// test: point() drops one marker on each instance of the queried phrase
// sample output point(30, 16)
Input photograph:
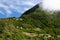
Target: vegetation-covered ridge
point(32, 25)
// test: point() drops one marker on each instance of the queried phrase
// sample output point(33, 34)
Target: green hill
point(34, 24)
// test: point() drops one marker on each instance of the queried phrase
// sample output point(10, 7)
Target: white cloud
point(5, 8)
point(27, 3)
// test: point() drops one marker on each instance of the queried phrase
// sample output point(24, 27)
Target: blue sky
point(15, 8)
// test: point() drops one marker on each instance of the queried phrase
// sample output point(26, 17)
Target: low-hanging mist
point(50, 5)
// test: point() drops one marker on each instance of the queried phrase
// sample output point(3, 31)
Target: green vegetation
point(34, 25)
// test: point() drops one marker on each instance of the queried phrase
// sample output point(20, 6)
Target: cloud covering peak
point(51, 5)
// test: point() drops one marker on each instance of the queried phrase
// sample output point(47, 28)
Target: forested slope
point(34, 24)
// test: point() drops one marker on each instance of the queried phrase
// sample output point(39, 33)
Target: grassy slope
point(36, 25)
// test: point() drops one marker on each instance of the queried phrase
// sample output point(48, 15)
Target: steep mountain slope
point(34, 24)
